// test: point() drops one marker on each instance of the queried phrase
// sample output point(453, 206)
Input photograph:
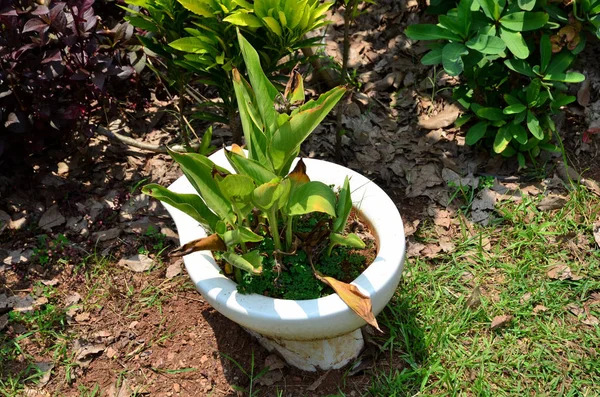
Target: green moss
point(298, 281)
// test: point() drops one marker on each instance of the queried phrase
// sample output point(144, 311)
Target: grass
point(443, 347)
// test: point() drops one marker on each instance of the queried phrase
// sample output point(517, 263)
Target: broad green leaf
point(533, 125)
point(199, 174)
point(312, 197)
point(350, 241)
point(520, 66)
point(465, 16)
point(237, 188)
point(190, 204)
point(193, 45)
point(503, 138)
point(521, 160)
point(253, 169)
point(492, 8)
point(545, 52)
point(264, 91)
point(487, 44)
point(243, 19)
point(462, 120)
point(343, 207)
point(571, 77)
point(561, 62)
point(514, 109)
point(244, 4)
point(142, 23)
point(273, 194)
point(433, 57)
point(511, 100)
point(351, 295)
point(287, 139)
point(515, 43)
point(490, 113)
point(198, 7)
point(232, 238)
point(518, 133)
point(562, 100)
point(476, 132)
point(526, 5)
point(533, 92)
point(430, 32)
point(240, 262)
point(273, 25)
point(452, 24)
point(522, 21)
point(452, 58)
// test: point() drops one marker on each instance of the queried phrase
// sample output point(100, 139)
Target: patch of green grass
point(438, 345)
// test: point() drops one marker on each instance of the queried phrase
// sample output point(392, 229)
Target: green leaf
point(452, 24)
point(511, 100)
point(487, 44)
point(521, 160)
point(562, 100)
point(465, 16)
point(243, 19)
point(533, 92)
point(433, 57)
point(198, 7)
point(430, 32)
point(462, 120)
point(522, 21)
point(526, 5)
point(190, 204)
point(560, 63)
point(193, 45)
point(571, 77)
point(264, 91)
point(287, 139)
point(198, 171)
point(142, 23)
point(518, 133)
point(545, 52)
point(490, 113)
point(237, 188)
point(241, 262)
point(273, 194)
point(312, 197)
point(515, 43)
point(520, 66)
point(240, 235)
point(452, 58)
point(350, 241)
point(253, 169)
point(503, 138)
point(514, 109)
point(273, 25)
point(343, 207)
point(533, 125)
point(476, 132)
point(492, 8)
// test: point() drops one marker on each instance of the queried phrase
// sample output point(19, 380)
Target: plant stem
point(274, 228)
point(288, 233)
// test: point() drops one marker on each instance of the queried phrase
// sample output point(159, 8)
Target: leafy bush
point(199, 37)
point(513, 57)
point(56, 60)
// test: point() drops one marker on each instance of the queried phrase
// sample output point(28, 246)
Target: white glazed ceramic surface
point(303, 319)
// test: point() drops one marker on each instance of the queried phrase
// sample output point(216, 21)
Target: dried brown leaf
point(475, 299)
point(583, 94)
point(539, 308)
point(210, 243)
point(351, 295)
point(596, 231)
point(562, 272)
point(501, 321)
point(443, 119)
point(552, 202)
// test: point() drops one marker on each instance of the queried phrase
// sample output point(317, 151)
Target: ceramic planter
point(311, 334)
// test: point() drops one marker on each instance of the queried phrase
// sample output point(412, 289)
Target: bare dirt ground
point(133, 324)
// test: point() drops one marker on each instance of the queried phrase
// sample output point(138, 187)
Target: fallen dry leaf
point(274, 362)
point(351, 295)
point(211, 243)
point(414, 249)
point(86, 353)
point(596, 231)
point(501, 321)
point(270, 378)
point(562, 272)
point(138, 263)
point(315, 385)
point(443, 119)
point(552, 202)
point(539, 308)
point(431, 250)
point(446, 244)
point(583, 94)
point(526, 297)
point(475, 299)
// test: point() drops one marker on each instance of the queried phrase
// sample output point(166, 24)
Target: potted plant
point(235, 200)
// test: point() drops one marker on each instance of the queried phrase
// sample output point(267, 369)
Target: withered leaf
point(210, 243)
point(596, 231)
point(298, 175)
point(351, 295)
point(562, 272)
point(441, 120)
point(501, 321)
point(475, 299)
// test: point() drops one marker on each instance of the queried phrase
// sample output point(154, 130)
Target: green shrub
point(513, 57)
point(198, 39)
